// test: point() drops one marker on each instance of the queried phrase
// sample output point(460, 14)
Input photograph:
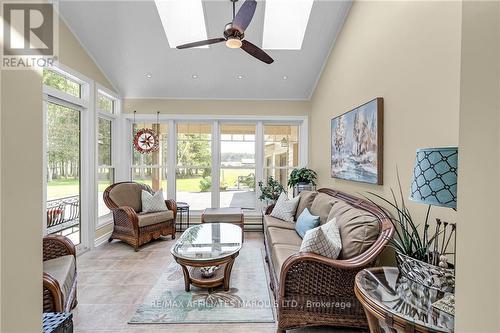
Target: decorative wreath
point(146, 141)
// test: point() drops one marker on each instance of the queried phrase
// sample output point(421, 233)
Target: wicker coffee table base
point(193, 276)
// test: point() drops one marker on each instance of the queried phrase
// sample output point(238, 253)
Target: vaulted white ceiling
point(127, 40)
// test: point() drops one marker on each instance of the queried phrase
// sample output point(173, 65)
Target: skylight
point(183, 21)
point(285, 24)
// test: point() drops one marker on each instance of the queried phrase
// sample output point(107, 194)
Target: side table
point(393, 303)
point(57, 322)
point(182, 209)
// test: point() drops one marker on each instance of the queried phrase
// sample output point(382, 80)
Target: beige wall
point(21, 193)
point(217, 107)
point(478, 292)
point(409, 54)
point(73, 55)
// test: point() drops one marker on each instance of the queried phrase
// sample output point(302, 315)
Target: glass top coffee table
point(206, 253)
point(393, 303)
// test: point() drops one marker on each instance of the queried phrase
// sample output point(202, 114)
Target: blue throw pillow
point(305, 222)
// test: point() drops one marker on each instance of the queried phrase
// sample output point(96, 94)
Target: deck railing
point(63, 213)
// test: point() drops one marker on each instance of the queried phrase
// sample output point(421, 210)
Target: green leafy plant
point(302, 175)
point(205, 184)
point(407, 240)
point(271, 190)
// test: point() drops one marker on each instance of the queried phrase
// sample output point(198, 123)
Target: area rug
point(247, 301)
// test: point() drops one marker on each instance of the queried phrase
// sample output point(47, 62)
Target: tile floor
point(113, 280)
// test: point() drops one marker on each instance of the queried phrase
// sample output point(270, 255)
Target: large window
point(151, 169)
point(106, 108)
point(237, 165)
point(194, 164)
point(217, 163)
point(281, 151)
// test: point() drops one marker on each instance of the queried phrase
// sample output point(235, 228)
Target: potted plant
point(302, 179)
point(418, 255)
point(271, 191)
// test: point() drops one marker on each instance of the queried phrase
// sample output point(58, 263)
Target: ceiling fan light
point(233, 43)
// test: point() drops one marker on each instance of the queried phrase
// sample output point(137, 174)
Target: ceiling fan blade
point(201, 43)
point(256, 52)
point(245, 15)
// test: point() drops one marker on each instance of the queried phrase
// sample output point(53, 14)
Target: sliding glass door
point(63, 170)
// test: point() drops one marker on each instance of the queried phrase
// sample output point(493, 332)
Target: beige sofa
point(314, 290)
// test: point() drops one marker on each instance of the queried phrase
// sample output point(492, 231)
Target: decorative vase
point(303, 186)
point(432, 276)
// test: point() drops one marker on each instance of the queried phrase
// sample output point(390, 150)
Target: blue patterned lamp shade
point(435, 177)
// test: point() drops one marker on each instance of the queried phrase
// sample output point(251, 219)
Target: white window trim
point(216, 120)
point(87, 127)
point(101, 221)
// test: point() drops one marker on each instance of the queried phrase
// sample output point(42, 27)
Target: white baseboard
point(103, 239)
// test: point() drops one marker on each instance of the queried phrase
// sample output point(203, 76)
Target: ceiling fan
point(234, 33)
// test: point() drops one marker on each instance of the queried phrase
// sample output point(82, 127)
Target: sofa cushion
point(62, 269)
point(283, 236)
point(127, 194)
point(146, 219)
point(323, 240)
point(306, 200)
point(285, 208)
point(359, 229)
point(321, 206)
point(270, 221)
point(306, 222)
point(280, 254)
point(153, 202)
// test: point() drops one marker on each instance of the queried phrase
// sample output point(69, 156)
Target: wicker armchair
point(59, 275)
point(310, 289)
point(130, 224)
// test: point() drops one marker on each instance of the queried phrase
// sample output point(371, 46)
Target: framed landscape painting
point(357, 143)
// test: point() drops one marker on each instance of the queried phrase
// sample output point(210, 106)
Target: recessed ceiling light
point(284, 77)
point(194, 76)
point(182, 20)
point(239, 77)
point(149, 75)
point(285, 15)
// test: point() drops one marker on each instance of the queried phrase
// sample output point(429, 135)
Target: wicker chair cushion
point(146, 219)
point(280, 253)
point(359, 229)
point(306, 200)
point(321, 206)
point(127, 194)
point(270, 221)
point(62, 269)
point(283, 236)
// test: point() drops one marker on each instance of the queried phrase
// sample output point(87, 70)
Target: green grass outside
point(61, 188)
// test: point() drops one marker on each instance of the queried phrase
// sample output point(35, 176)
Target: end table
point(393, 303)
point(182, 209)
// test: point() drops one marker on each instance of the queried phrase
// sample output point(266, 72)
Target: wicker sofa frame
point(308, 278)
point(55, 246)
point(126, 222)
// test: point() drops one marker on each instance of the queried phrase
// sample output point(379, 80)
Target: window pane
point(156, 178)
point(280, 175)
point(62, 83)
point(237, 188)
point(237, 145)
point(194, 145)
point(63, 171)
point(104, 142)
point(105, 177)
point(281, 145)
point(105, 103)
point(158, 157)
point(194, 186)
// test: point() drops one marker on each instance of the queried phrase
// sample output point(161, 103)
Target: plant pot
point(431, 276)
